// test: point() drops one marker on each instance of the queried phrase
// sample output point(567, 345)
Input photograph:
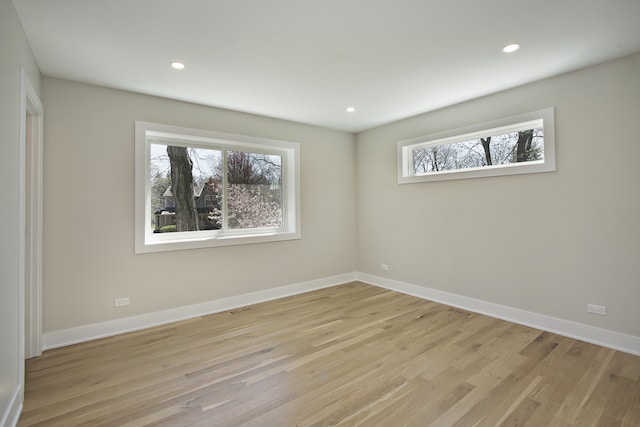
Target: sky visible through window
point(206, 162)
point(490, 151)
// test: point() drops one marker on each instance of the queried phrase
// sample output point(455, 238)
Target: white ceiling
point(308, 60)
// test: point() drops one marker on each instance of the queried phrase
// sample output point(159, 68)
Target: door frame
point(30, 216)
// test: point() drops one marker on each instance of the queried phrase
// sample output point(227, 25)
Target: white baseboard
point(591, 334)
point(12, 412)
point(118, 326)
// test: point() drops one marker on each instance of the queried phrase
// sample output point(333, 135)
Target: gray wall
point(89, 202)
point(548, 243)
point(15, 53)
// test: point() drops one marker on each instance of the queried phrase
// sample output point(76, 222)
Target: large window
point(197, 188)
point(515, 145)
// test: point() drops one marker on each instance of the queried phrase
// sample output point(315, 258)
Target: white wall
point(548, 243)
point(15, 53)
point(89, 211)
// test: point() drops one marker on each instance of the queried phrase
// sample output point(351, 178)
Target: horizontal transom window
point(197, 188)
point(515, 145)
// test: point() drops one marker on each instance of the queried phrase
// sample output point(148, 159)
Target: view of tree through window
point(254, 196)
point(520, 144)
point(189, 185)
point(199, 188)
point(514, 147)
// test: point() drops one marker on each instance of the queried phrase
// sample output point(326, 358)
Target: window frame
point(492, 128)
point(147, 133)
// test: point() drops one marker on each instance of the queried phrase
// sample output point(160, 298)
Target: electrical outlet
point(119, 302)
point(597, 309)
point(384, 267)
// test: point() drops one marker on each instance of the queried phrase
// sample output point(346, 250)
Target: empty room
point(290, 213)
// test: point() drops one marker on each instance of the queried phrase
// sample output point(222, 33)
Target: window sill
point(217, 241)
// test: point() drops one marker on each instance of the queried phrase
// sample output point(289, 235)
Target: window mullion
point(225, 198)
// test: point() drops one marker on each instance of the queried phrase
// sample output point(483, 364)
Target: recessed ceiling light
point(351, 109)
point(511, 48)
point(177, 65)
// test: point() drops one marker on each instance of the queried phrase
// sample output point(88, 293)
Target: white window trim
point(509, 124)
point(146, 241)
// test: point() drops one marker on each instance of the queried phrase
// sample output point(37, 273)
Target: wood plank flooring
point(351, 355)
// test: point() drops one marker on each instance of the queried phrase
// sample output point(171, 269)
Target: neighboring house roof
point(197, 191)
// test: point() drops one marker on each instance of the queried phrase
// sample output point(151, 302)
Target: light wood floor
point(349, 355)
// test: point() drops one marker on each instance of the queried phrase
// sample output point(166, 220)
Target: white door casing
point(31, 198)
